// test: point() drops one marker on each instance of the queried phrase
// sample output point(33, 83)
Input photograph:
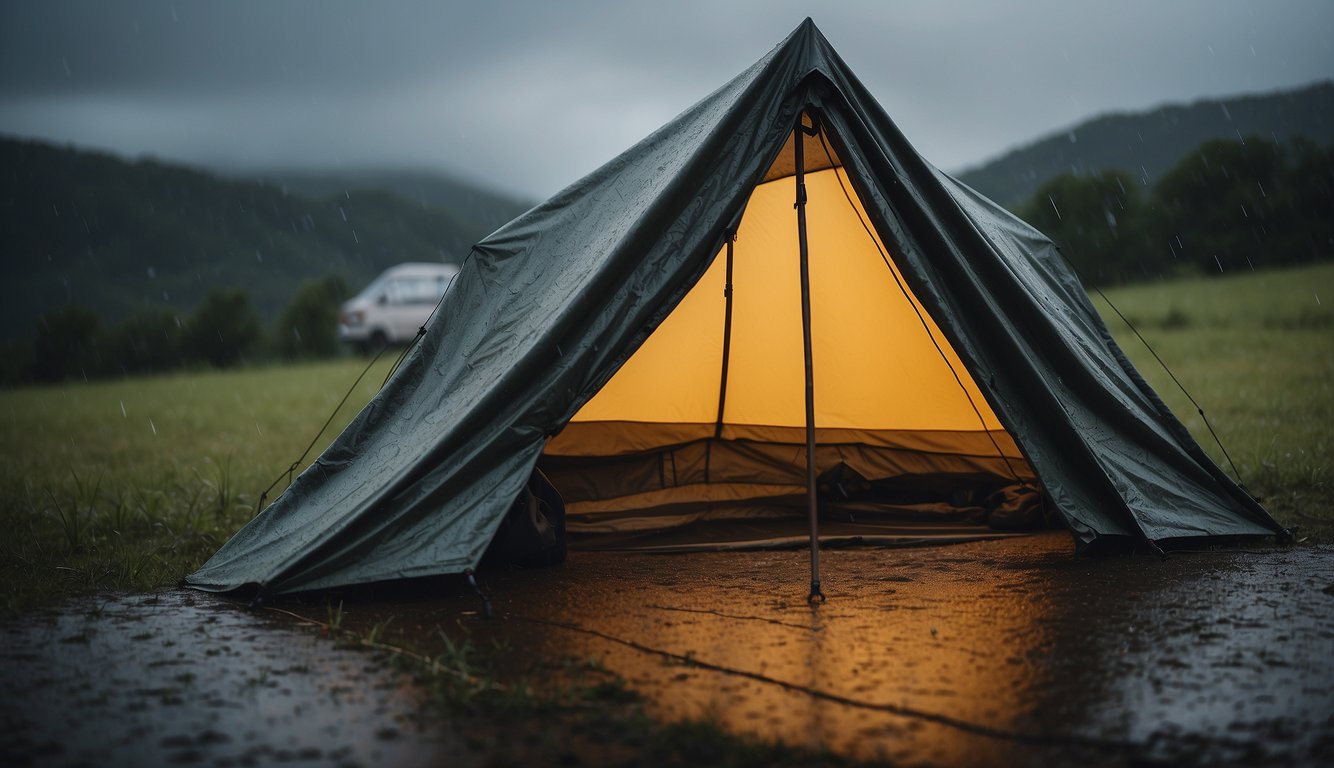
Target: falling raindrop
point(1317, 298)
point(259, 257)
point(126, 415)
point(354, 237)
point(1054, 208)
point(152, 426)
point(1244, 214)
point(342, 213)
point(1219, 263)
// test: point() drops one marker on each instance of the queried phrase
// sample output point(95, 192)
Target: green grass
point(131, 485)
point(1256, 351)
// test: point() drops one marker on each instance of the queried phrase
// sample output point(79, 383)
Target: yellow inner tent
point(892, 399)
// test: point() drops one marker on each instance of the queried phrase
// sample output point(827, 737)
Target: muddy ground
point(1009, 652)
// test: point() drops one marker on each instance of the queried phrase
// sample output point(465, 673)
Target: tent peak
point(805, 29)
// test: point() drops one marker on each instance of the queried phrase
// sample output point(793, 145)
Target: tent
point(652, 332)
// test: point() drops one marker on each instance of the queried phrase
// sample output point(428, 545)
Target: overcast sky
point(529, 96)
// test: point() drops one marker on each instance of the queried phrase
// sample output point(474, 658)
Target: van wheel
point(377, 342)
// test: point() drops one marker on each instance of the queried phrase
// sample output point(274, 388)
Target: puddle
point(999, 652)
point(187, 679)
point(1004, 651)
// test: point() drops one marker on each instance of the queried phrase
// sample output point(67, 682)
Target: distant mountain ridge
point(1147, 144)
point(459, 196)
point(121, 237)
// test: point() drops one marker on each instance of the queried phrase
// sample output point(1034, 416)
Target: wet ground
point(186, 679)
point(1000, 652)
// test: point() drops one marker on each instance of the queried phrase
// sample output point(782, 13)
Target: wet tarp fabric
point(547, 308)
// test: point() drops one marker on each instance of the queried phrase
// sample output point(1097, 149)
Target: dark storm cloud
point(530, 95)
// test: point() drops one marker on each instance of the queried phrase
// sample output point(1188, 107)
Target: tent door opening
point(799, 391)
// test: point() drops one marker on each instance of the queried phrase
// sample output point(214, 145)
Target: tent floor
point(786, 533)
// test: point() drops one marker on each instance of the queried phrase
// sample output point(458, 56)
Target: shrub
point(222, 330)
point(308, 327)
point(147, 342)
point(66, 344)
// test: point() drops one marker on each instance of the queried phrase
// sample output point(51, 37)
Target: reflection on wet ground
point(1003, 651)
point(999, 652)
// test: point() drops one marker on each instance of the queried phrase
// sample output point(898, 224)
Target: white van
point(394, 305)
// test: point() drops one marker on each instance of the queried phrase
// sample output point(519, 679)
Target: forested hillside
point(1145, 145)
point(121, 238)
point(1227, 206)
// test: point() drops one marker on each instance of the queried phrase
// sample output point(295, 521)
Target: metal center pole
point(798, 140)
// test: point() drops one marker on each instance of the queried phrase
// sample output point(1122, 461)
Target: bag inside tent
point(698, 440)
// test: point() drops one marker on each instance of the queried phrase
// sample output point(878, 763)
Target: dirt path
point(999, 652)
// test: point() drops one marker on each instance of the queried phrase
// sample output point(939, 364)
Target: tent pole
point(727, 338)
point(812, 506)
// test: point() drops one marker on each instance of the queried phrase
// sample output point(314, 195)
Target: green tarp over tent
point(548, 309)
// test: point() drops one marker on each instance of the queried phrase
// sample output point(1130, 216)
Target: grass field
point(131, 484)
point(1256, 351)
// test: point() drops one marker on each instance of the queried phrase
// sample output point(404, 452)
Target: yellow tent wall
point(892, 398)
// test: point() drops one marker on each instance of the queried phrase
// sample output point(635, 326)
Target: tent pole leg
point(816, 596)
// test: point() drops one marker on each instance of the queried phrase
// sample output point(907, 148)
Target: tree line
point(1229, 205)
point(223, 331)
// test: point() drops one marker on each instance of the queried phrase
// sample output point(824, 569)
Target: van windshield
point(407, 287)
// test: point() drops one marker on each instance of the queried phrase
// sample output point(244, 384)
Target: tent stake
point(812, 505)
point(486, 601)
